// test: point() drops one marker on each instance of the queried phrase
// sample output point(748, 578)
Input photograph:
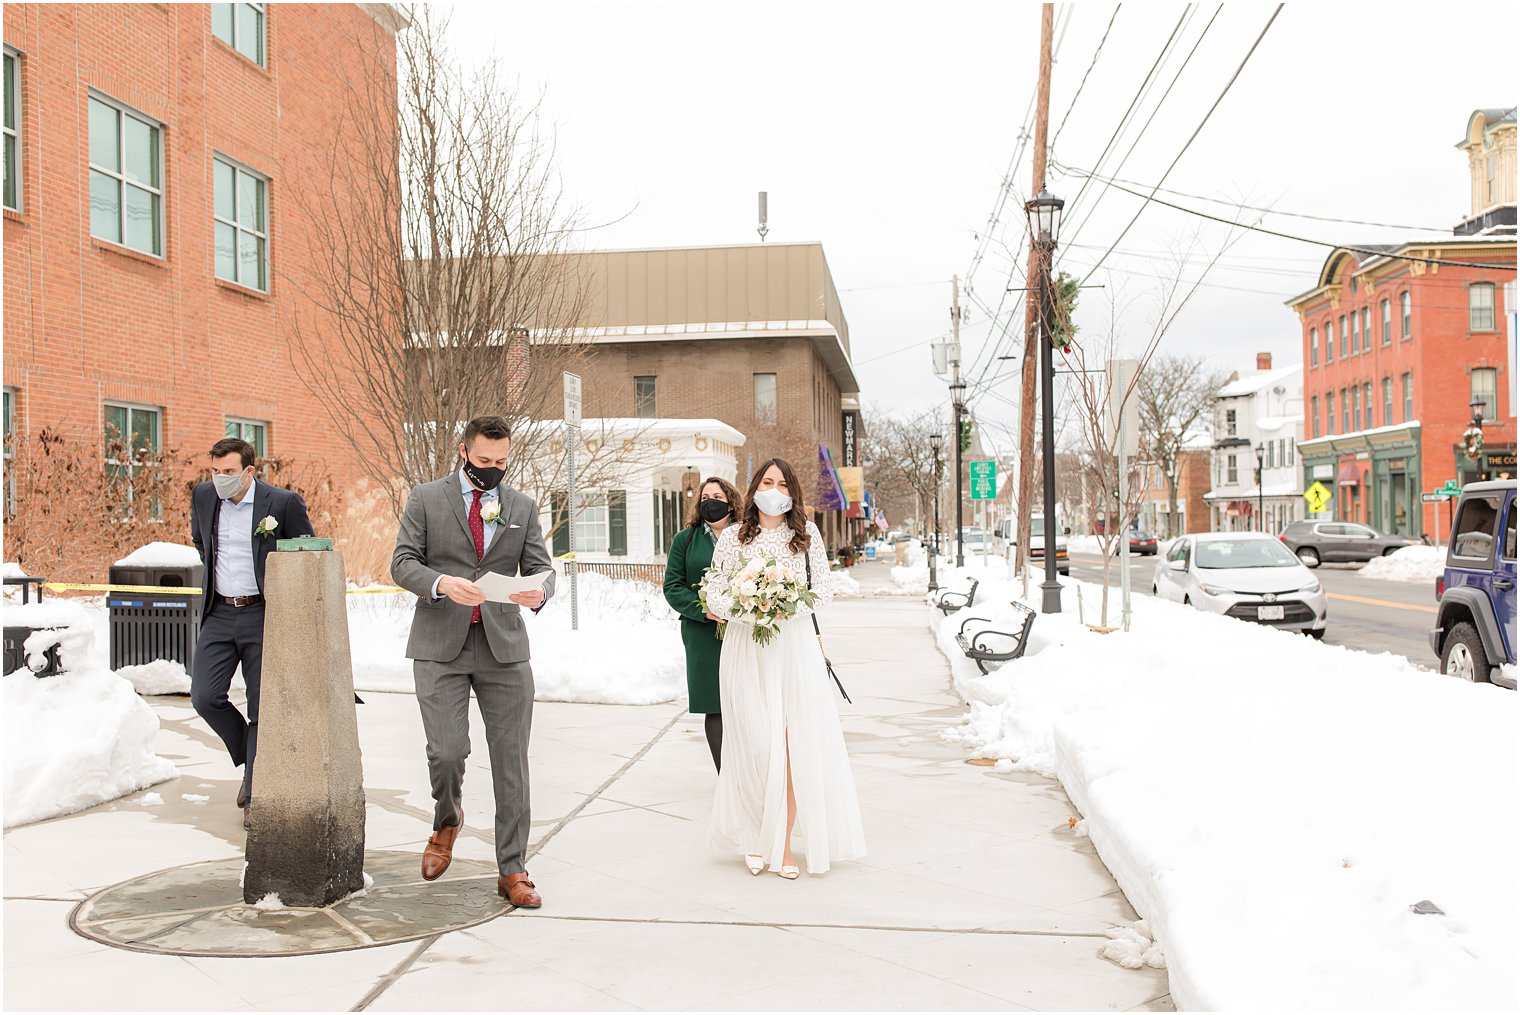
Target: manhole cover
point(199, 910)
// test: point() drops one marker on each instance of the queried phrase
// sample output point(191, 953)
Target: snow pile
point(628, 650)
point(845, 584)
point(161, 555)
point(1085, 544)
point(1133, 947)
point(150, 800)
point(1408, 564)
point(1257, 793)
point(912, 578)
point(78, 738)
point(161, 676)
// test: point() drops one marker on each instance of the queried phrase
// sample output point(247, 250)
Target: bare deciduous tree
point(902, 461)
point(1172, 401)
point(444, 287)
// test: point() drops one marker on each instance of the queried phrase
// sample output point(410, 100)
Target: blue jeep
point(1475, 621)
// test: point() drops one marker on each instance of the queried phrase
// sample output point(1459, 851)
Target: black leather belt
point(241, 600)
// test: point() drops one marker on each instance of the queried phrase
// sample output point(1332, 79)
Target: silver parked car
point(1247, 575)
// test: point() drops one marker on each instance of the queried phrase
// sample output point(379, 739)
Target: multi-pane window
point(1329, 412)
point(765, 400)
point(1289, 442)
point(242, 225)
point(1367, 403)
point(131, 443)
point(591, 522)
point(1387, 309)
point(643, 397)
point(1231, 469)
point(126, 177)
point(1387, 401)
point(1354, 345)
point(1314, 416)
point(10, 450)
point(1366, 329)
point(1356, 408)
point(1344, 335)
point(12, 130)
point(240, 26)
point(1313, 348)
point(1229, 422)
point(1407, 324)
point(1345, 412)
point(1485, 389)
point(1480, 306)
point(1329, 342)
point(1408, 380)
point(252, 431)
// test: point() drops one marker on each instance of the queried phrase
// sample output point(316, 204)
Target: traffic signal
point(965, 435)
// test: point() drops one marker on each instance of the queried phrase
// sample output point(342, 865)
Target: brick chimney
point(1264, 361)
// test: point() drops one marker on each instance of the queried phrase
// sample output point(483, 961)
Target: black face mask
point(714, 510)
point(485, 479)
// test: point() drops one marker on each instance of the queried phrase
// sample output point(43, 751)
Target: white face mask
point(773, 502)
point(228, 487)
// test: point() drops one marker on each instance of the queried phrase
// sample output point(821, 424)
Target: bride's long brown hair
point(796, 518)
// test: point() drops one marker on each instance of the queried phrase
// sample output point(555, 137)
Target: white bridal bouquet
point(763, 594)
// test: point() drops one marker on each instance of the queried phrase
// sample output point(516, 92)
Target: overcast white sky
point(884, 131)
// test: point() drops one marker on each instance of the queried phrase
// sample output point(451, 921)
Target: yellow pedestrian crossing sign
point(1318, 496)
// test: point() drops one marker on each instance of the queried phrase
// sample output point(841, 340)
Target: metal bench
point(949, 602)
point(981, 653)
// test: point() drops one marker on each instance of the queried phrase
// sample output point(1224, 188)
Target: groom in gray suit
point(454, 530)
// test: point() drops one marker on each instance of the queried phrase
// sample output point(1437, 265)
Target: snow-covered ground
point(80, 737)
point(1408, 564)
point(1271, 805)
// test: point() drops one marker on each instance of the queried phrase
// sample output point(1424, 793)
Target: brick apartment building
point(751, 335)
point(1192, 486)
point(154, 250)
point(1400, 339)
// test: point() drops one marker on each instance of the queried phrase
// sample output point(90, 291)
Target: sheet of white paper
point(498, 587)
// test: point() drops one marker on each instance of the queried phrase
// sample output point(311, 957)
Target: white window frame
point(1367, 329)
point(263, 58)
point(1473, 322)
point(1313, 347)
point(1387, 401)
point(13, 110)
point(240, 422)
point(1490, 396)
point(1231, 470)
point(1406, 314)
point(654, 395)
point(1406, 382)
point(593, 522)
point(238, 229)
point(131, 464)
point(773, 415)
point(120, 175)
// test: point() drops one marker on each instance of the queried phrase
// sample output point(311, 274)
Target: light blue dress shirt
point(467, 489)
point(235, 575)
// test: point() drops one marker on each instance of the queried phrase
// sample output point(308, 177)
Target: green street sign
point(983, 480)
point(1451, 489)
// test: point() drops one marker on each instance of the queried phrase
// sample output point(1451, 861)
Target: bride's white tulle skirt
point(773, 696)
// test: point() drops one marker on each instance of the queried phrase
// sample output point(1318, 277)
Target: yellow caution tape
point(566, 556)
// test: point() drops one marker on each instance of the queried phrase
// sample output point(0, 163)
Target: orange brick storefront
point(96, 317)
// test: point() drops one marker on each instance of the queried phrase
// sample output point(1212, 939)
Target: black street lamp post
point(1261, 518)
point(934, 443)
point(1044, 213)
point(958, 396)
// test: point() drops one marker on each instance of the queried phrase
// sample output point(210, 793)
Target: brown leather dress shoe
point(247, 816)
point(439, 851)
point(518, 890)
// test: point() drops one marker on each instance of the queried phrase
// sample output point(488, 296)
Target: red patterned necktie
point(478, 530)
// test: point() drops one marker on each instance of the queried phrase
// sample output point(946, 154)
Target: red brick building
point(1399, 340)
point(155, 156)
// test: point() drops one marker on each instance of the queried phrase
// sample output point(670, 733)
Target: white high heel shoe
point(788, 871)
point(755, 862)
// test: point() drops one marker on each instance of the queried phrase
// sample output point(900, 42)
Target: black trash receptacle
point(15, 637)
point(155, 625)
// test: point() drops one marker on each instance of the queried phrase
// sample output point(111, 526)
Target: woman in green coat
point(691, 551)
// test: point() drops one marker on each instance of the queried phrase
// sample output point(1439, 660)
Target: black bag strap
point(807, 560)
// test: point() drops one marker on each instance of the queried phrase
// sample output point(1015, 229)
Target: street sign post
point(1318, 496)
point(572, 436)
point(983, 480)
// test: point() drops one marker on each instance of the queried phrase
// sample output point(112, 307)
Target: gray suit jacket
point(435, 539)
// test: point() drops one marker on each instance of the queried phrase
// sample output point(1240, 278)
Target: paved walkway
point(974, 896)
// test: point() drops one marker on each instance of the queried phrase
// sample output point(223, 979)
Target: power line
point(1096, 53)
point(1197, 130)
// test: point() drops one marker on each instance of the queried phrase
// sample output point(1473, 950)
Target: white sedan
point(1248, 575)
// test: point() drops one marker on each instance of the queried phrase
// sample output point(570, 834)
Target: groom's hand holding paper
point(525, 591)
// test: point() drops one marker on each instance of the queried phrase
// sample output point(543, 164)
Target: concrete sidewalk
point(975, 896)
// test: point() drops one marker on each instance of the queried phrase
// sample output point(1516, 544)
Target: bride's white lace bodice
point(730, 554)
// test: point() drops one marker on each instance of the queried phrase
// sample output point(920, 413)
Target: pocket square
point(514, 525)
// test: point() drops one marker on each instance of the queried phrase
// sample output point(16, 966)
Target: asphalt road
point(1365, 613)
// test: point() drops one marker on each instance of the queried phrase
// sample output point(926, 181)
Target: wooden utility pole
point(1031, 309)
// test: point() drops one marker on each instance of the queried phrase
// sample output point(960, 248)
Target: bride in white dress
point(784, 760)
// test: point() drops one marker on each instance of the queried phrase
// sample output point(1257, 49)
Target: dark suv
point(1315, 543)
point(1475, 621)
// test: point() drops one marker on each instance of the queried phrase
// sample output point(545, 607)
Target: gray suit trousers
point(504, 693)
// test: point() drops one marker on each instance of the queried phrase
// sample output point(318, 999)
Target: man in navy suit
point(235, 522)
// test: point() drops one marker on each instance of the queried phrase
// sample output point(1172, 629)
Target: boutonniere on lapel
point(266, 527)
point(491, 512)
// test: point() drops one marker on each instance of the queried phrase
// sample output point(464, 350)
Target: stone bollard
point(306, 844)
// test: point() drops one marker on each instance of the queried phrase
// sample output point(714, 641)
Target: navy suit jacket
point(286, 506)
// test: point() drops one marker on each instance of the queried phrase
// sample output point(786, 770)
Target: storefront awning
point(1349, 475)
